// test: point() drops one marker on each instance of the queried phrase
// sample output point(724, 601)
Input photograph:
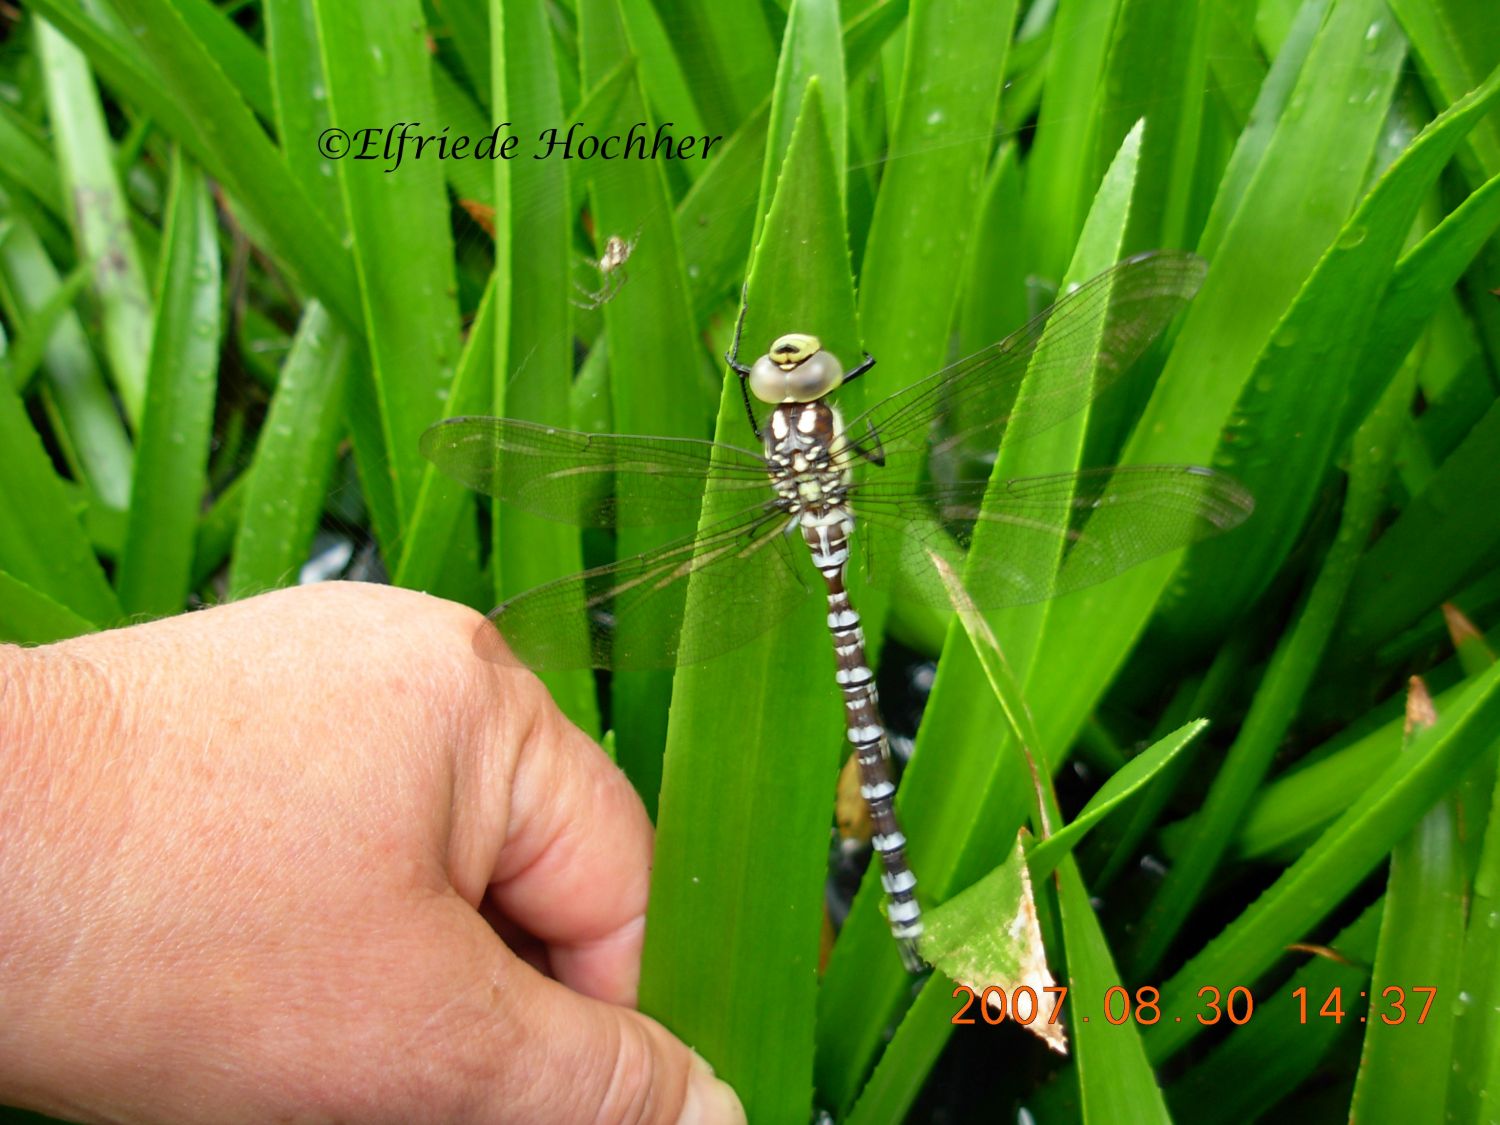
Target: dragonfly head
point(796, 369)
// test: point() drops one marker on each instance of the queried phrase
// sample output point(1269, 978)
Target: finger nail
point(709, 1101)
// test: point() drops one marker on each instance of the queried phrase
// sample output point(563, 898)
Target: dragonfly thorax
point(801, 442)
point(796, 369)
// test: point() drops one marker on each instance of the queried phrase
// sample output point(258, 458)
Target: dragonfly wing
point(1038, 537)
point(1066, 356)
point(591, 480)
point(637, 609)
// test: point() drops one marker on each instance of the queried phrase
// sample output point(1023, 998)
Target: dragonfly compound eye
point(796, 369)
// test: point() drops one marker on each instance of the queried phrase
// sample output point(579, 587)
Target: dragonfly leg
point(865, 365)
point(732, 357)
point(868, 446)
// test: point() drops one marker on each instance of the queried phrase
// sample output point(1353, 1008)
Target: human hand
point(253, 861)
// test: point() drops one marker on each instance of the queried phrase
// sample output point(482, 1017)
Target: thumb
point(544, 1053)
point(643, 1073)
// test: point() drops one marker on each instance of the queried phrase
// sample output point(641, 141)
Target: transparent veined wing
point(591, 480)
point(1054, 534)
point(746, 579)
point(1068, 355)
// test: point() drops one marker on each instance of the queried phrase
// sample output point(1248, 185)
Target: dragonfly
point(818, 477)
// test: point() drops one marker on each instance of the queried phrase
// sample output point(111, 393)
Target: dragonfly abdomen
point(800, 447)
point(866, 734)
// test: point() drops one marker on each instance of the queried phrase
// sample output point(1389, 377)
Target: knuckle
point(634, 1094)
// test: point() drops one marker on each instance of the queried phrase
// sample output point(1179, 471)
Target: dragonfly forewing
point(592, 480)
point(1066, 356)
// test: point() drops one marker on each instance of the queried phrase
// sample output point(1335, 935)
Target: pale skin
point(256, 862)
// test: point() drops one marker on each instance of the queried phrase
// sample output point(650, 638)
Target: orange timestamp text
point(1021, 1005)
point(1025, 1005)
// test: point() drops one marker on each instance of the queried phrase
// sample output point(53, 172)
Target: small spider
point(610, 265)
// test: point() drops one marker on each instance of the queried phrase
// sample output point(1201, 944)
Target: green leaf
point(216, 531)
point(716, 217)
point(1270, 246)
point(535, 262)
point(1453, 41)
point(29, 350)
point(285, 484)
point(1279, 696)
point(42, 543)
point(1155, 73)
point(726, 54)
point(1300, 803)
point(1114, 1073)
point(666, 86)
point(908, 295)
point(1263, 122)
point(1440, 537)
point(988, 937)
point(1308, 390)
point(912, 1051)
point(171, 468)
point(100, 33)
point(1476, 1031)
point(1338, 201)
point(1426, 274)
point(655, 361)
point(464, 25)
point(1341, 857)
point(732, 934)
point(24, 155)
point(88, 424)
point(1254, 1068)
point(1046, 855)
point(961, 810)
point(28, 616)
point(812, 48)
point(377, 70)
point(1067, 162)
point(439, 507)
point(221, 131)
point(301, 100)
point(232, 49)
point(1404, 1068)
